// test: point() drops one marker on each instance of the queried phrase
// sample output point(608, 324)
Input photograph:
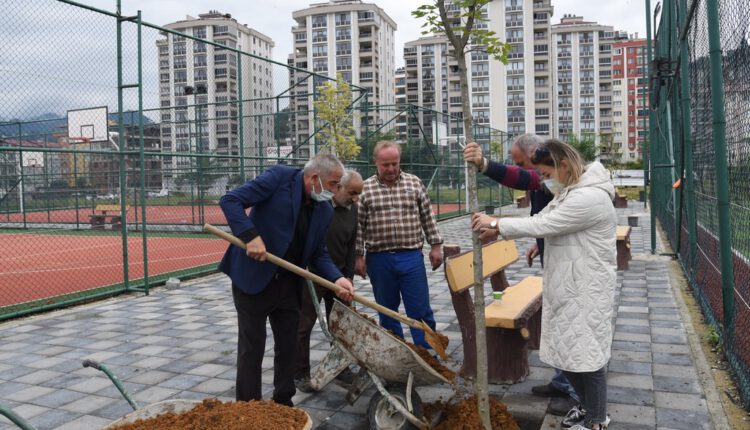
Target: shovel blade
point(436, 341)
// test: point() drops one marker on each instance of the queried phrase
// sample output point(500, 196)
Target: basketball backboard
point(88, 123)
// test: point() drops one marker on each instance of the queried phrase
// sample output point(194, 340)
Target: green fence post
point(121, 150)
point(649, 164)
point(687, 142)
point(722, 168)
point(141, 157)
point(241, 115)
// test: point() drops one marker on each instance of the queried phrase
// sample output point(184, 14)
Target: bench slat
point(496, 256)
point(518, 303)
point(109, 208)
point(623, 231)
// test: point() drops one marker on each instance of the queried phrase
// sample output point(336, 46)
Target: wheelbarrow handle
point(234, 240)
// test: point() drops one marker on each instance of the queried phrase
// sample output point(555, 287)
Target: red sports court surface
point(176, 215)
point(37, 266)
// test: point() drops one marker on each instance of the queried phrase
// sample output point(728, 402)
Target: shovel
point(436, 341)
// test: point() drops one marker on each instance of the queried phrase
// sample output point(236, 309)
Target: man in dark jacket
point(341, 241)
point(290, 216)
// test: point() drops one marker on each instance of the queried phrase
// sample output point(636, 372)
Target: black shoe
point(303, 385)
point(547, 390)
point(560, 406)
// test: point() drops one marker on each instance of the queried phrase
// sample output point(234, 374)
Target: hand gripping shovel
point(436, 341)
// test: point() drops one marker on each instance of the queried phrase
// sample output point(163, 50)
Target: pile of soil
point(465, 416)
point(432, 361)
point(215, 415)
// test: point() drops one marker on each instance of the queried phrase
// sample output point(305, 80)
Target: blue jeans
point(560, 382)
point(397, 275)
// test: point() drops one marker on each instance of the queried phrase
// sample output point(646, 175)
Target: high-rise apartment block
point(582, 77)
point(629, 89)
point(205, 118)
point(347, 37)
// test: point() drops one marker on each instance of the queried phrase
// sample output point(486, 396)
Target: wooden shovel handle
point(234, 240)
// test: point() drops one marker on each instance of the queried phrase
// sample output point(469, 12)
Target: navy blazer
point(276, 200)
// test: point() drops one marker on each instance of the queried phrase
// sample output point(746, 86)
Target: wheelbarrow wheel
point(383, 416)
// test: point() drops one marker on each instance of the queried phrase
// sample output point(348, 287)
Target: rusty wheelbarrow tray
point(382, 358)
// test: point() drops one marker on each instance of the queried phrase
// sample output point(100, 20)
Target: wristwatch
point(493, 224)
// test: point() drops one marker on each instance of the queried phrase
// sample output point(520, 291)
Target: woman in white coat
point(578, 227)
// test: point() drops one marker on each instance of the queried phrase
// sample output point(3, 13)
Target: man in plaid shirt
point(395, 218)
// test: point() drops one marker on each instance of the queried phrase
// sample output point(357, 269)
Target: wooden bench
point(623, 247)
point(621, 200)
point(100, 217)
point(512, 324)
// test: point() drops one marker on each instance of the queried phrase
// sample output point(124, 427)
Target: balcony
point(513, 8)
point(564, 67)
point(541, 21)
point(343, 23)
point(563, 54)
point(514, 23)
point(516, 103)
point(515, 40)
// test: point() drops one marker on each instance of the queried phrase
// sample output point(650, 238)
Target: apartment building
point(200, 87)
point(582, 78)
point(629, 85)
point(401, 120)
point(347, 37)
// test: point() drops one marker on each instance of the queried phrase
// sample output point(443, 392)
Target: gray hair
point(323, 164)
point(528, 143)
point(349, 174)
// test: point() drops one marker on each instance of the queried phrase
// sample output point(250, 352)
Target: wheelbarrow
point(385, 361)
point(139, 413)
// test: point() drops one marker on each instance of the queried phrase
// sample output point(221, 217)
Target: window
point(319, 21)
point(319, 36)
point(343, 48)
point(180, 75)
point(220, 30)
point(198, 47)
point(320, 65)
point(220, 72)
point(200, 75)
point(199, 32)
point(179, 49)
point(343, 34)
point(343, 19)
point(319, 50)
point(480, 69)
point(344, 63)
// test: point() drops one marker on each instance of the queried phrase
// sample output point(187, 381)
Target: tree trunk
point(473, 204)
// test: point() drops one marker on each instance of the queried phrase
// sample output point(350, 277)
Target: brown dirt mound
point(432, 361)
point(465, 416)
point(215, 415)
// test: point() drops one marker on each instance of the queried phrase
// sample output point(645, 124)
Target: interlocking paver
point(181, 343)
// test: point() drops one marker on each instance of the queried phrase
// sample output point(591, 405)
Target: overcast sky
point(55, 57)
point(274, 17)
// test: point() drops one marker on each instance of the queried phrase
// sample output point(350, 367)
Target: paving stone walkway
point(181, 343)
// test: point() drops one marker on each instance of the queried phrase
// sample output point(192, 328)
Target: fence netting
point(685, 181)
point(118, 137)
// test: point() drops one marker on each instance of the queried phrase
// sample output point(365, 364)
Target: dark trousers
point(397, 275)
point(279, 302)
point(307, 319)
point(591, 387)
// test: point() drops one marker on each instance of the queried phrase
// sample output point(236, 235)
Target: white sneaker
point(575, 416)
point(600, 426)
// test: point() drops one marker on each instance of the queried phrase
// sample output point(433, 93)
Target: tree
point(333, 110)
point(458, 22)
point(586, 145)
point(609, 151)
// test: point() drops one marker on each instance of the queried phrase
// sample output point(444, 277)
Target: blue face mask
point(323, 196)
point(553, 185)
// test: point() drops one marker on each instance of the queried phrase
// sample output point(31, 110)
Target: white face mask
point(553, 185)
point(323, 196)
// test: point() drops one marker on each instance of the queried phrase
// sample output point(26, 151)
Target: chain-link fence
point(700, 160)
point(118, 137)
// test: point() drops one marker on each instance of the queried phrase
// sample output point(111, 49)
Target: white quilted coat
point(578, 228)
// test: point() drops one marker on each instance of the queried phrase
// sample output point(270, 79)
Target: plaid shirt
point(392, 218)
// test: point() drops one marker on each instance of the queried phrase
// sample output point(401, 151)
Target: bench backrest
point(496, 256)
point(110, 208)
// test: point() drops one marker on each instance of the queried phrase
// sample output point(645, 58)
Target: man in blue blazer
point(290, 216)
